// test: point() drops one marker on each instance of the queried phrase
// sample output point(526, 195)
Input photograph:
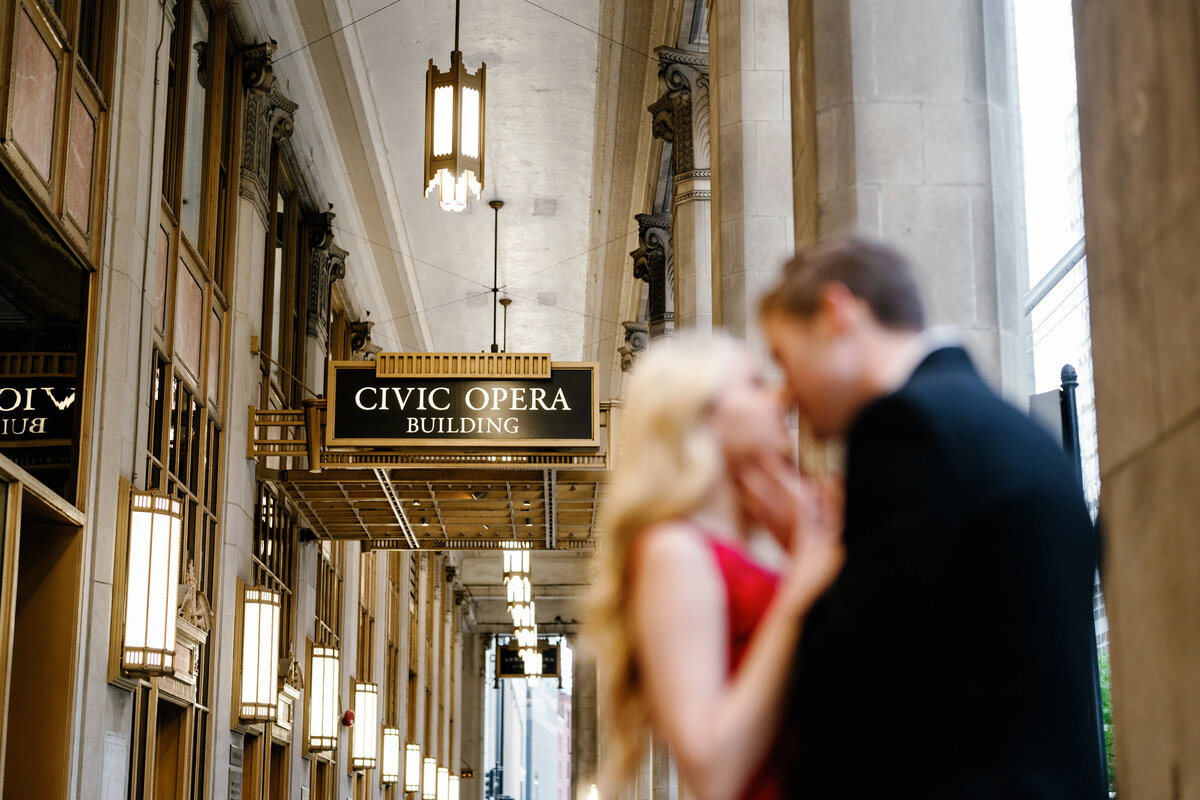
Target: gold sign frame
point(483, 367)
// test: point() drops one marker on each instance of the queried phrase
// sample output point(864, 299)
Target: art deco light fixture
point(454, 105)
point(323, 699)
point(429, 780)
point(389, 756)
point(412, 768)
point(453, 788)
point(443, 784)
point(260, 660)
point(364, 738)
point(152, 584)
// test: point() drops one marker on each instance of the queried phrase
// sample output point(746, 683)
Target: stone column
point(752, 156)
point(652, 264)
point(906, 97)
point(681, 117)
point(1141, 184)
point(471, 726)
point(664, 776)
point(584, 732)
point(327, 263)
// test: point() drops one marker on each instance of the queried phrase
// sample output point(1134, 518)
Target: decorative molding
point(360, 338)
point(194, 608)
point(637, 337)
point(653, 263)
point(291, 672)
point(327, 263)
point(681, 114)
point(269, 118)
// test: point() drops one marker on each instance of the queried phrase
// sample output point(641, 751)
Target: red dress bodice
point(749, 588)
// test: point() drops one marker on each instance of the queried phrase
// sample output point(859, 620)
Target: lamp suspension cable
point(506, 302)
point(456, 4)
point(496, 206)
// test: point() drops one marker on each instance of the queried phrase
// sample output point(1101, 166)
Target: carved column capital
point(637, 337)
point(652, 262)
point(327, 263)
point(681, 114)
point(269, 118)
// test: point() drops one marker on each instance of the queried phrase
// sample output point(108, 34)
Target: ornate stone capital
point(327, 263)
point(360, 337)
point(681, 115)
point(269, 118)
point(652, 262)
point(637, 337)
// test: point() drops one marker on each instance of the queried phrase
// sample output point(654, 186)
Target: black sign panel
point(509, 663)
point(37, 408)
point(365, 409)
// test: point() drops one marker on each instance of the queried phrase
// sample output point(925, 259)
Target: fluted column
point(681, 117)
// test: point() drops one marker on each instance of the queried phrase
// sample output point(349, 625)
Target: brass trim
point(333, 440)
point(463, 365)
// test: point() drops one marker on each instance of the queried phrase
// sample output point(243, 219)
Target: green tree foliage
point(1106, 704)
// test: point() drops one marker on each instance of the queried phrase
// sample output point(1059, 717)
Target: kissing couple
point(928, 633)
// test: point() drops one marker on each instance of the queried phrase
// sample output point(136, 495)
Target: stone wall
point(1139, 109)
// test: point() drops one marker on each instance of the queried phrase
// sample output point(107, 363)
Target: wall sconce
point(152, 584)
point(260, 661)
point(443, 784)
point(389, 756)
point(453, 788)
point(323, 700)
point(412, 768)
point(429, 780)
point(454, 111)
point(364, 739)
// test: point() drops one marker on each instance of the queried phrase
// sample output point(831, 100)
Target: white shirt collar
point(914, 351)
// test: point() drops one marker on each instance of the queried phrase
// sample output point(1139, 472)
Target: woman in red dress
point(695, 636)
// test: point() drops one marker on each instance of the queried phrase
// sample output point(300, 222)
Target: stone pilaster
point(753, 220)
point(652, 264)
point(681, 117)
point(269, 117)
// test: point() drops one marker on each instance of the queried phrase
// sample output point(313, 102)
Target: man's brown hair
point(873, 272)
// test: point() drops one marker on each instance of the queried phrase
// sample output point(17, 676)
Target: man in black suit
point(950, 659)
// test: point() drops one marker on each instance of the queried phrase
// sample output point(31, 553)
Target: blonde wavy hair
point(668, 462)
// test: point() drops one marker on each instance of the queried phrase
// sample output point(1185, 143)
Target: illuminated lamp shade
point(412, 768)
point(454, 116)
point(323, 699)
point(152, 584)
point(526, 637)
point(516, 562)
point(429, 780)
point(519, 590)
point(443, 784)
point(389, 756)
point(364, 736)
point(260, 662)
point(453, 788)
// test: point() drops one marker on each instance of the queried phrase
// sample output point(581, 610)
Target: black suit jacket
point(950, 659)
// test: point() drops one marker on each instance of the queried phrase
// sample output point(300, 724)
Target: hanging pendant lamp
point(454, 103)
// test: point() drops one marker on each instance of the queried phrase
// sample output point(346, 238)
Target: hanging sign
point(561, 410)
point(509, 663)
point(36, 407)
